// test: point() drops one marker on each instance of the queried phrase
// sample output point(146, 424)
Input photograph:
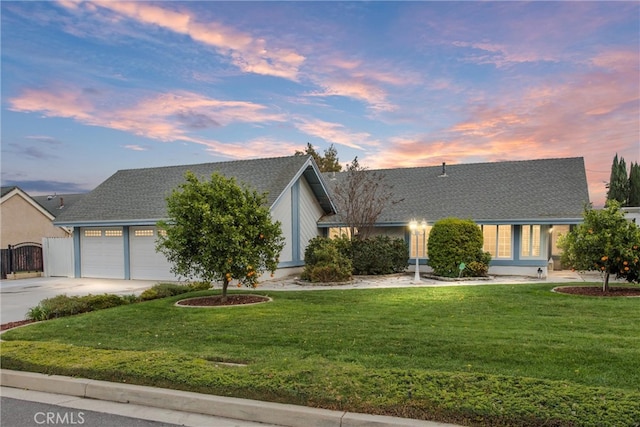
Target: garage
point(146, 263)
point(102, 252)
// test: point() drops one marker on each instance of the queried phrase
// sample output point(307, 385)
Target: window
point(92, 233)
point(143, 233)
point(113, 233)
point(339, 232)
point(422, 241)
point(530, 241)
point(497, 240)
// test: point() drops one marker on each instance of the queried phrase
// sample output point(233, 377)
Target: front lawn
point(475, 355)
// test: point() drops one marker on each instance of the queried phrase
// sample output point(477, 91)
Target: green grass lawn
point(478, 355)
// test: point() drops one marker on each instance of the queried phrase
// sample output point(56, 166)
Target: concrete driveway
point(18, 296)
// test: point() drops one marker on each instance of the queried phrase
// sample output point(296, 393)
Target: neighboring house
point(521, 206)
point(114, 226)
point(632, 213)
point(23, 219)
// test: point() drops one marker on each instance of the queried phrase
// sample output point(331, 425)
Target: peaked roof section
point(9, 192)
point(58, 203)
point(138, 196)
point(512, 191)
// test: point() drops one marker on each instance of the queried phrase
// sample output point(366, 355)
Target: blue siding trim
point(77, 259)
point(286, 264)
point(295, 222)
point(127, 253)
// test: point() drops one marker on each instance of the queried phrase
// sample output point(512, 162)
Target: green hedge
point(335, 260)
point(64, 305)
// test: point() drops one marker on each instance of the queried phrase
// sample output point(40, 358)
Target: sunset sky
point(90, 88)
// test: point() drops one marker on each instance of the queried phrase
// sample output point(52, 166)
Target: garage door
point(146, 263)
point(102, 253)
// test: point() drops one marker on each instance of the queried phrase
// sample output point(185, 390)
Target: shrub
point(379, 255)
point(476, 269)
point(453, 241)
point(199, 286)
point(100, 302)
point(325, 261)
point(164, 290)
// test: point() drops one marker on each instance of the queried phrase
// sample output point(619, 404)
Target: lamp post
point(416, 229)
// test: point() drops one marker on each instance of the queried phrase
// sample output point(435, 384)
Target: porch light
point(417, 229)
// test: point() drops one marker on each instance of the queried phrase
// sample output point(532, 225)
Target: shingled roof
point(58, 203)
point(138, 196)
point(546, 190)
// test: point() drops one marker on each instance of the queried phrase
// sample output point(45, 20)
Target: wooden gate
point(23, 257)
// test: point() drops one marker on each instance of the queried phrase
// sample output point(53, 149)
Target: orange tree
point(219, 230)
point(606, 241)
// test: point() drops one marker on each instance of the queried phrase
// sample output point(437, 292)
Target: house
point(114, 226)
point(25, 219)
point(26, 222)
point(521, 206)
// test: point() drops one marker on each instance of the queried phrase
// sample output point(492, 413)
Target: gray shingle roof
point(59, 203)
point(508, 191)
point(139, 195)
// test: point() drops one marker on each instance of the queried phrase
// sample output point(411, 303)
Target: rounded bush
point(325, 261)
point(453, 241)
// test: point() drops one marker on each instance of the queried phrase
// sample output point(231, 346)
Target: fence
point(58, 256)
point(23, 257)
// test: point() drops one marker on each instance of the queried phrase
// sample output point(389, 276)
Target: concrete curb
point(228, 407)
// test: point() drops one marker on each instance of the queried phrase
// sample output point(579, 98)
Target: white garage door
point(102, 253)
point(146, 263)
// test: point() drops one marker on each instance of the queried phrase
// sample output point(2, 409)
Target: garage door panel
point(102, 253)
point(146, 263)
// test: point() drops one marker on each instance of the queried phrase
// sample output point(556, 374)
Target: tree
point(219, 230)
point(361, 196)
point(327, 163)
point(618, 181)
point(607, 242)
point(453, 241)
point(634, 185)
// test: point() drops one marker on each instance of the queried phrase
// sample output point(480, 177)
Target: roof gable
point(9, 192)
point(491, 192)
point(139, 195)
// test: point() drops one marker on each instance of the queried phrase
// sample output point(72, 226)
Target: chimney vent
point(444, 170)
point(61, 203)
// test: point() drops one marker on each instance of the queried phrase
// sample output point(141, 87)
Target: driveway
point(18, 296)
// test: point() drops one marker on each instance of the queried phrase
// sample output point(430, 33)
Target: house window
point(497, 240)
point(422, 242)
point(113, 233)
point(530, 241)
point(339, 232)
point(143, 233)
point(92, 233)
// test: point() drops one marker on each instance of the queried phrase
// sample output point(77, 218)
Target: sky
point(89, 88)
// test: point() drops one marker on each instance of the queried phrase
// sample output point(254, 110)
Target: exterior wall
point(282, 212)
point(20, 221)
point(310, 213)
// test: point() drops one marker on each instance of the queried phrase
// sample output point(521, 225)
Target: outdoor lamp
point(416, 229)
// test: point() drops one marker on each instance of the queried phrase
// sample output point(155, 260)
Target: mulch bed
point(596, 291)
point(216, 300)
point(10, 325)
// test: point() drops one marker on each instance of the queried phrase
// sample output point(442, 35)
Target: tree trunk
point(605, 283)
point(225, 285)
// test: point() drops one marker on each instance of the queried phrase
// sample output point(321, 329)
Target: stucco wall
point(21, 222)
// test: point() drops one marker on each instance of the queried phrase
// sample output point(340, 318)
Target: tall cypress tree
point(634, 185)
point(618, 182)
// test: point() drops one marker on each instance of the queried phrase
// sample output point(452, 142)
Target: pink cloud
point(248, 53)
point(164, 117)
point(335, 133)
